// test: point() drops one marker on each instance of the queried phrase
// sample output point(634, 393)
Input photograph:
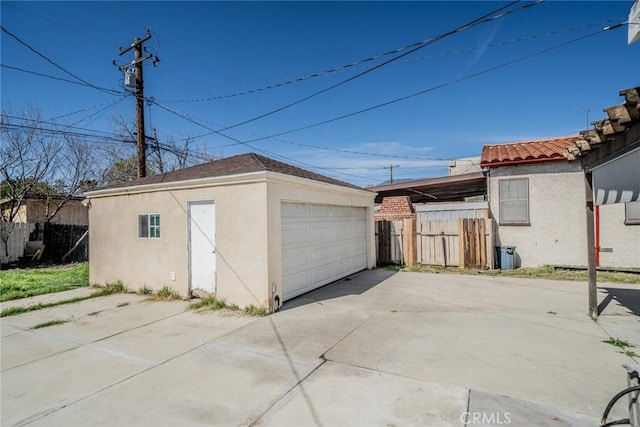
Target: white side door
point(202, 247)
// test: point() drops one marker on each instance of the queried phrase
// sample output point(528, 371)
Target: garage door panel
point(322, 276)
point(359, 213)
point(321, 233)
point(320, 244)
point(295, 234)
point(322, 254)
point(299, 283)
point(294, 210)
point(320, 211)
point(341, 211)
point(295, 262)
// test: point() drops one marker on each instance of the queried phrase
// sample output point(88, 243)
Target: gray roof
point(235, 165)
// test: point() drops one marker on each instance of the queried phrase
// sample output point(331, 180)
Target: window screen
point(514, 201)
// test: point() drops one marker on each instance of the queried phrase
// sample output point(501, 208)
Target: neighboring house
point(35, 209)
point(441, 189)
point(537, 198)
point(464, 165)
point(250, 229)
point(24, 234)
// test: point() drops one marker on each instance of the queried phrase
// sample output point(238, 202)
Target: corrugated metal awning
point(618, 180)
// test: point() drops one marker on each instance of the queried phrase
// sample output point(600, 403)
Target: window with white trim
point(149, 226)
point(514, 201)
point(632, 213)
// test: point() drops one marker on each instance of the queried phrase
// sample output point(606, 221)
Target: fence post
point(410, 248)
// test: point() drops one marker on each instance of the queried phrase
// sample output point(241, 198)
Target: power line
point(483, 19)
point(192, 120)
point(50, 131)
point(284, 82)
point(93, 36)
point(111, 91)
point(416, 46)
point(102, 110)
point(197, 121)
point(50, 122)
point(442, 85)
point(274, 136)
point(88, 108)
point(10, 34)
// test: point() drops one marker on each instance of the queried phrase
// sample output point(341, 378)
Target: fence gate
point(438, 242)
point(473, 251)
point(465, 242)
point(389, 242)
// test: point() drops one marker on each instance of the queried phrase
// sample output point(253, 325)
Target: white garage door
point(320, 244)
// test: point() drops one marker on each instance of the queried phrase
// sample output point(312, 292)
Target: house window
point(632, 213)
point(149, 226)
point(514, 201)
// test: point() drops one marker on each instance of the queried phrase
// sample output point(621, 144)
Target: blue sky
point(216, 49)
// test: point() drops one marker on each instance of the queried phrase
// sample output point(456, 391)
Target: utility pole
point(390, 167)
point(139, 86)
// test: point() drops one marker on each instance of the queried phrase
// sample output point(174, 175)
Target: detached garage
point(248, 228)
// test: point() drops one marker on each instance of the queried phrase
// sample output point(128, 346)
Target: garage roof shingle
point(235, 165)
point(544, 150)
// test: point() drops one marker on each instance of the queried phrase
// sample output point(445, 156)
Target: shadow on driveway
point(355, 284)
point(628, 298)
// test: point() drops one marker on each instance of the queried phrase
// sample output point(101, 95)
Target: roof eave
point(521, 162)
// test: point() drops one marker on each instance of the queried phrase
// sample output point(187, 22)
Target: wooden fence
point(18, 239)
point(389, 240)
point(466, 242)
point(59, 239)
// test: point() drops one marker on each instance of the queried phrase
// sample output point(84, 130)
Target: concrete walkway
point(382, 348)
point(49, 298)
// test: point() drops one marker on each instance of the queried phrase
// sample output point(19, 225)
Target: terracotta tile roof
point(235, 165)
point(544, 150)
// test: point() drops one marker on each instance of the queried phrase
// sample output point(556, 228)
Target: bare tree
point(163, 154)
point(38, 161)
point(27, 158)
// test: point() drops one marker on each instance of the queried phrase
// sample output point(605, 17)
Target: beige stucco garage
point(250, 229)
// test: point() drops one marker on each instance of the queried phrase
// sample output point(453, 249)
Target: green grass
point(49, 323)
point(114, 288)
point(252, 310)
point(164, 294)
point(545, 272)
point(623, 345)
point(211, 303)
point(144, 291)
point(617, 342)
point(28, 282)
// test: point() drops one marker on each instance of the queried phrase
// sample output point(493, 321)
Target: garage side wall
point(117, 254)
point(301, 191)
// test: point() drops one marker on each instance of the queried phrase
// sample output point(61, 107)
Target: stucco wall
point(623, 239)
point(116, 252)
point(557, 234)
point(296, 190)
point(248, 233)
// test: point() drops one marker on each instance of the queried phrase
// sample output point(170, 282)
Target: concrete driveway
point(380, 348)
